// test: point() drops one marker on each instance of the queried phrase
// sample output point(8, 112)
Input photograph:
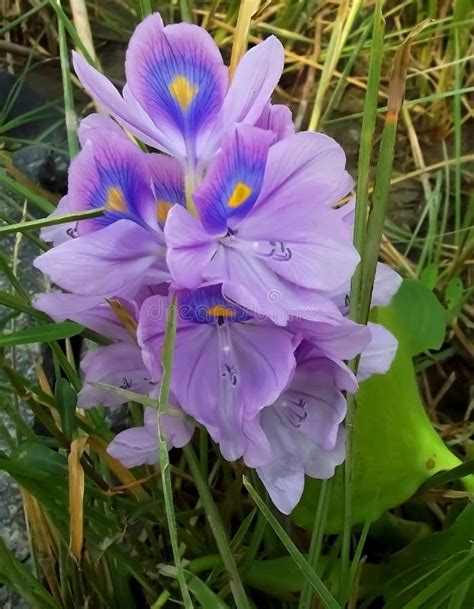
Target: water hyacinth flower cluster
point(236, 217)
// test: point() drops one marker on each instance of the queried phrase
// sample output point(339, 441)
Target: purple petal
point(294, 454)
point(339, 341)
point(252, 283)
point(109, 262)
point(90, 311)
point(190, 248)
point(178, 432)
point(135, 446)
point(377, 356)
point(125, 109)
point(291, 224)
point(91, 128)
point(208, 306)
point(335, 370)
point(386, 285)
point(112, 173)
point(307, 168)
point(168, 182)
point(313, 405)
point(60, 233)
point(120, 365)
point(178, 77)
point(283, 477)
point(277, 118)
point(255, 78)
point(234, 179)
point(321, 464)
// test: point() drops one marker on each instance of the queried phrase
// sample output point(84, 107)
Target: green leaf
point(66, 400)
point(454, 295)
point(16, 576)
point(41, 334)
point(36, 457)
point(429, 276)
point(395, 446)
point(421, 316)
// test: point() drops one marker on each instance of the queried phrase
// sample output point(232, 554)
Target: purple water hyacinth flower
point(266, 229)
point(122, 250)
point(95, 312)
point(304, 427)
point(228, 365)
point(139, 445)
point(177, 97)
point(120, 365)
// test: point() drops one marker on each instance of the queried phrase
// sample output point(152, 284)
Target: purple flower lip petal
point(177, 97)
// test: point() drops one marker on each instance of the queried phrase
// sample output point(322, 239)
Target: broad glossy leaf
point(419, 567)
point(395, 446)
point(420, 315)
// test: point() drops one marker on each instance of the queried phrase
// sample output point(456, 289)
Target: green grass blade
point(217, 529)
point(16, 576)
point(316, 541)
point(39, 334)
point(40, 202)
point(69, 110)
point(365, 151)
point(318, 586)
point(21, 227)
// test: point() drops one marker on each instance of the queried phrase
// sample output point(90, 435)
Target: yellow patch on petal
point(115, 199)
point(239, 195)
point(183, 91)
point(221, 311)
point(162, 210)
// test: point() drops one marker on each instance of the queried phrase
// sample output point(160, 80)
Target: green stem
point(70, 112)
point(360, 222)
point(163, 399)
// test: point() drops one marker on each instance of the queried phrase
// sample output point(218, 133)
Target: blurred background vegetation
point(84, 532)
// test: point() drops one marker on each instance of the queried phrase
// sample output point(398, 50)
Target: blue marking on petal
point(168, 184)
point(178, 76)
point(208, 306)
point(234, 179)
